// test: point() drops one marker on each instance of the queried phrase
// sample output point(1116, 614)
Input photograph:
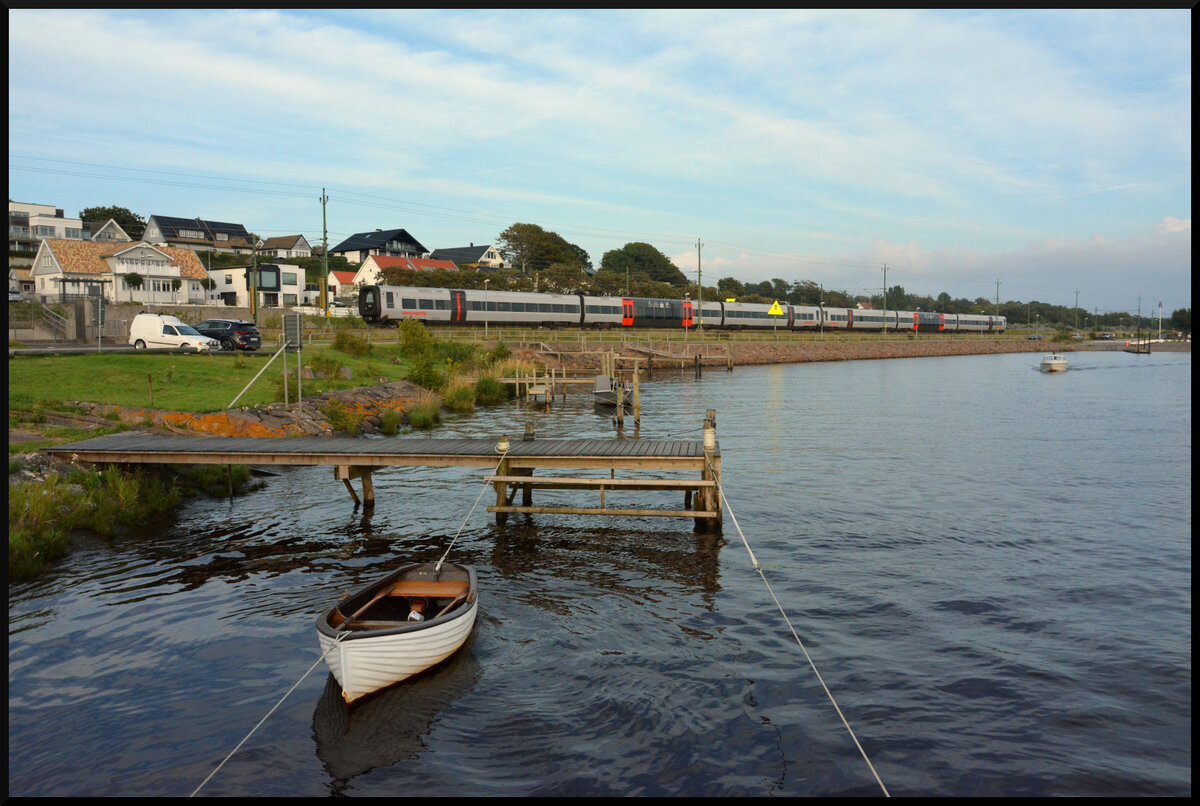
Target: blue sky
point(1049, 151)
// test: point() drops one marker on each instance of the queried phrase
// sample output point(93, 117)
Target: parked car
point(233, 334)
point(1035, 337)
point(160, 330)
point(1077, 336)
point(1107, 336)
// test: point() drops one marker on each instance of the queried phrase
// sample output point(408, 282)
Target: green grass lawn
point(184, 382)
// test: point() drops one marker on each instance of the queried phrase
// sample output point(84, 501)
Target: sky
point(1025, 155)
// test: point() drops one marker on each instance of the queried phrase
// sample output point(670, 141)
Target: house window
point(222, 236)
point(47, 261)
point(191, 233)
point(77, 234)
point(228, 279)
point(289, 278)
point(44, 231)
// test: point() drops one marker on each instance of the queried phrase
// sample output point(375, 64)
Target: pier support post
point(708, 499)
point(501, 492)
point(347, 472)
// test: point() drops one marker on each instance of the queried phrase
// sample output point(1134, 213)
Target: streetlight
point(485, 310)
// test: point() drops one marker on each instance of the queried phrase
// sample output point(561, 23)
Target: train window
point(593, 309)
point(390, 304)
point(408, 302)
point(441, 304)
point(543, 307)
point(476, 305)
point(556, 308)
point(426, 303)
point(491, 306)
point(518, 307)
point(572, 309)
point(503, 306)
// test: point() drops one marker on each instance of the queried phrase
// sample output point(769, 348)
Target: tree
point(730, 288)
point(134, 281)
point(529, 247)
point(133, 224)
point(638, 256)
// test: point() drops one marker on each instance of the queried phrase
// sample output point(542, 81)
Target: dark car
point(234, 334)
point(1032, 336)
point(1107, 336)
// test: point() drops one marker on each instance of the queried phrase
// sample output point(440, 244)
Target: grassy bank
point(46, 504)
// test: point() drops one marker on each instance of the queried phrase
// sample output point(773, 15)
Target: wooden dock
point(514, 462)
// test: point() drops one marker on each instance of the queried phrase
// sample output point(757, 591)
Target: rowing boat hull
point(365, 661)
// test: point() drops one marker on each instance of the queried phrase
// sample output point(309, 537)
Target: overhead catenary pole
point(324, 256)
point(884, 297)
point(1077, 309)
point(699, 284)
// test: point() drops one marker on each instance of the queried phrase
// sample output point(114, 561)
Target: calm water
point(990, 567)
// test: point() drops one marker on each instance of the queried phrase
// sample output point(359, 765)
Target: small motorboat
point(368, 641)
point(1054, 363)
point(604, 393)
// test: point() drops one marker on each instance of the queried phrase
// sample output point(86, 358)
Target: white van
point(160, 330)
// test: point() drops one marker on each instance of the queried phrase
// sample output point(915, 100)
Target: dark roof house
point(385, 242)
point(484, 256)
point(196, 233)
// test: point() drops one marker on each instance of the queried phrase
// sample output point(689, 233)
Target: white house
point(233, 286)
point(483, 257)
point(108, 230)
point(285, 246)
point(340, 283)
point(371, 271)
point(67, 269)
point(28, 224)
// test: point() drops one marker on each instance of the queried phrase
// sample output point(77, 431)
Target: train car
point(930, 322)
point(838, 318)
point(386, 305)
point(607, 311)
point(742, 315)
point(524, 308)
point(868, 320)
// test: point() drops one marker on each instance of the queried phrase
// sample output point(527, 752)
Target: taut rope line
point(437, 569)
point(264, 719)
point(820, 679)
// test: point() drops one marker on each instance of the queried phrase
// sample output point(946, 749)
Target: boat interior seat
point(430, 589)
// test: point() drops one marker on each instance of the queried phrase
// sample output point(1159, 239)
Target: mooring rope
point(828, 693)
point(437, 569)
point(336, 641)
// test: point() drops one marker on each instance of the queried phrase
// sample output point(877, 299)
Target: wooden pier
point(514, 462)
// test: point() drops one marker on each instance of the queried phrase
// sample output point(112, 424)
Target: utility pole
point(1077, 309)
point(699, 285)
point(997, 312)
point(884, 300)
point(324, 256)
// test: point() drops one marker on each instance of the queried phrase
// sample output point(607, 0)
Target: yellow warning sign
point(775, 309)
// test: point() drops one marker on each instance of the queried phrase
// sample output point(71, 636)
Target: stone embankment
point(570, 355)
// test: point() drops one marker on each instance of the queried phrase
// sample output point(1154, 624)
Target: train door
point(914, 322)
point(626, 313)
point(458, 306)
point(687, 313)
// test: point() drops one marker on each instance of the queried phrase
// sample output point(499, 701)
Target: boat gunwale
point(472, 602)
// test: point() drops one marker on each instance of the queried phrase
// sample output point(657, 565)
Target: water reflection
point(389, 726)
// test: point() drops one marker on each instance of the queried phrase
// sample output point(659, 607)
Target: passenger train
point(386, 305)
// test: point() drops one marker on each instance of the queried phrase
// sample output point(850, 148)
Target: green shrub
point(500, 351)
point(460, 395)
point(326, 364)
point(351, 344)
point(414, 337)
point(341, 418)
point(489, 391)
point(389, 421)
point(424, 373)
point(457, 352)
point(425, 411)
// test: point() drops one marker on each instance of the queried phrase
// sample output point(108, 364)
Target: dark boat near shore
point(605, 395)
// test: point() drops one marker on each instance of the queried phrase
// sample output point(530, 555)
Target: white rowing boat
point(368, 641)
